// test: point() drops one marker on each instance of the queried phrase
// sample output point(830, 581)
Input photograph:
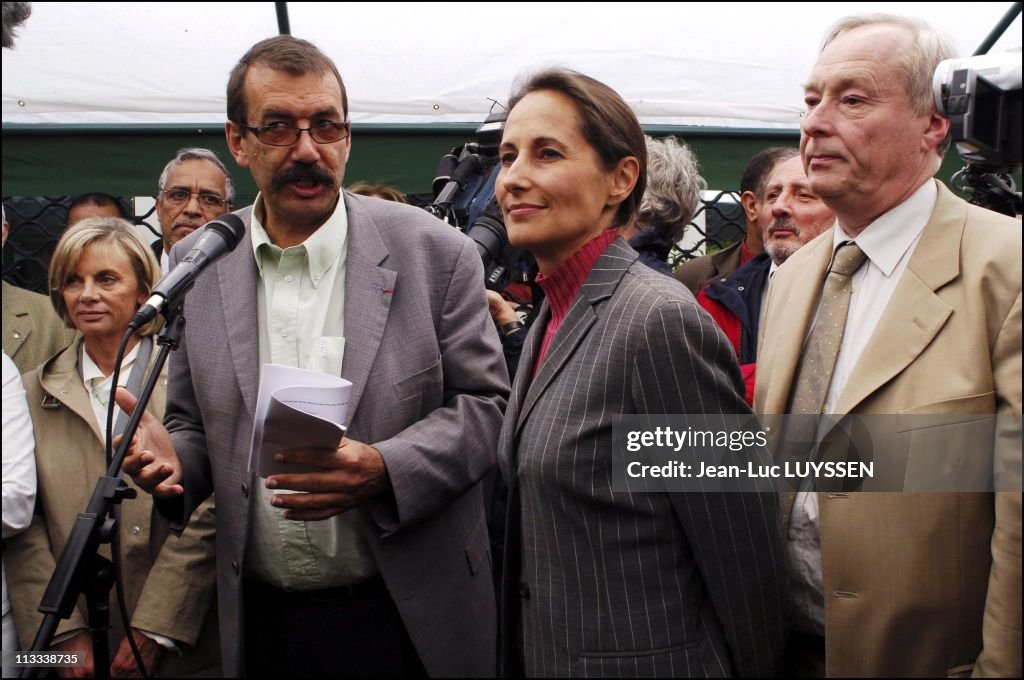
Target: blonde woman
point(100, 274)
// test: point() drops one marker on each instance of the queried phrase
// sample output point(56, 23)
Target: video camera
point(981, 96)
point(462, 172)
point(463, 190)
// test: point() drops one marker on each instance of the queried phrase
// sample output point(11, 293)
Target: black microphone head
point(447, 164)
point(470, 167)
point(444, 171)
point(216, 238)
point(230, 226)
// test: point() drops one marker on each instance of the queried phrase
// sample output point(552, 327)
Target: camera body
point(464, 198)
point(981, 96)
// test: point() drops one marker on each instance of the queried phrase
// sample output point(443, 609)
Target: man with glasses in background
point(378, 565)
point(195, 188)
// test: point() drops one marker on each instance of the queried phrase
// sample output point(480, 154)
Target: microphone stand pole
point(81, 569)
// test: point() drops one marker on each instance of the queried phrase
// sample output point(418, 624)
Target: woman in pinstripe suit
point(598, 582)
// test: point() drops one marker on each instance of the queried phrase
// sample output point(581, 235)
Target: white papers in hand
point(296, 408)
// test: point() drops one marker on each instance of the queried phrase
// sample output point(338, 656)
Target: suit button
point(234, 568)
point(245, 489)
point(135, 531)
point(17, 336)
point(524, 591)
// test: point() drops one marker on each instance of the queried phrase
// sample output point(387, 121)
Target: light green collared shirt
point(300, 304)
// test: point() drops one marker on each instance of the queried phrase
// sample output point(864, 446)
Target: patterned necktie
point(814, 373)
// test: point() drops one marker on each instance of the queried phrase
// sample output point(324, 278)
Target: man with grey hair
point(792, 215)
point(195, 188)
point(911, 305)
point(700, 271)
point(668, 204)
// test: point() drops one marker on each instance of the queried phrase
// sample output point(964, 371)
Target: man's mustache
point(783, 224)
point(300, 173)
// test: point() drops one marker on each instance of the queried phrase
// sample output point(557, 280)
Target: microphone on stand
point(219, 238)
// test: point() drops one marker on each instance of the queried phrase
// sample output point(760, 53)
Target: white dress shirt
point(19, 483)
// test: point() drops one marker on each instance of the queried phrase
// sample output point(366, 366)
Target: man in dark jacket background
point(793, 215)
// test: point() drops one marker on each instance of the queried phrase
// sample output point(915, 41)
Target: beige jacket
point(32, 331)
point(169, 582)
point(925, 584)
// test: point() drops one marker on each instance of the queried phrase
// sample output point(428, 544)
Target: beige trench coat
point(169, 582)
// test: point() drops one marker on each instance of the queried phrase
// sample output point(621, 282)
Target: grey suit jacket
point(430, 386)
point(602, 583)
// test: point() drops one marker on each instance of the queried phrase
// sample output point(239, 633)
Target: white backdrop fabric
point(721, 64)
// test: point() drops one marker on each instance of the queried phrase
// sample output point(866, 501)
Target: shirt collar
point(322, 248)
point(91, 372)
point(886, 240)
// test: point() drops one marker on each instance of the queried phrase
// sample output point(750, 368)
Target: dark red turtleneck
point(563, 284)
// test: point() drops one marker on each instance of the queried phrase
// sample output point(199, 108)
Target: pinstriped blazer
point(601, 583)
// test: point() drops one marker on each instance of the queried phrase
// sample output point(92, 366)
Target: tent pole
point(997, 31)
point(283, 27)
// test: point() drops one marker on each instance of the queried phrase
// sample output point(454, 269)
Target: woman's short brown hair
point(606, 122)
point(111, 232)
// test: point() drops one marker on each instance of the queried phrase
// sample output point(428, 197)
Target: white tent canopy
point(729, 64)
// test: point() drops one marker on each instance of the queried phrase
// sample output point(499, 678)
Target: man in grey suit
point(395, 579)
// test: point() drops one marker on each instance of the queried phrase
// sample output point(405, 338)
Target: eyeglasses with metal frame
point(281, 134)
point(181, 197)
